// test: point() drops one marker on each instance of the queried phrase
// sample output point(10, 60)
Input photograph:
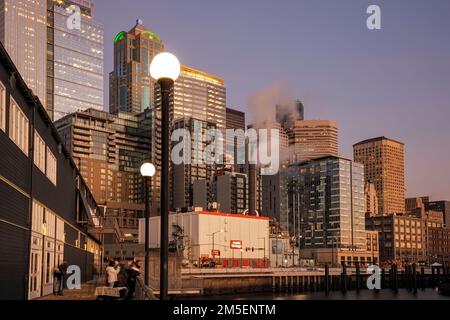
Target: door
point(49, 254)
point(35, 274)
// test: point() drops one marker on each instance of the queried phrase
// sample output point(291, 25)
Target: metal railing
point(142, 291)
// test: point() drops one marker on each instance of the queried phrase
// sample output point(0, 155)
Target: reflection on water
point(386, 294)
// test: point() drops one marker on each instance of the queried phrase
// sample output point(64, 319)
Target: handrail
point(142, 291)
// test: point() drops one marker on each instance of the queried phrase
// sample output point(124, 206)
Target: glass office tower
point(63, 66)
point(23, 30)
point(201, 96)
point(75, 60)
point(327, 200)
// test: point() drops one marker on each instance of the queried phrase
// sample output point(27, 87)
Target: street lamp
point(212, 251)
point(165, 69)
point(148, 170)
point(300, 237)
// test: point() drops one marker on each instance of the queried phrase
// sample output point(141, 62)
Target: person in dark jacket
point(123, 274)
point(133, 273)
point(59, 274)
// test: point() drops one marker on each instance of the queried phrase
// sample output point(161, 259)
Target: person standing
point(133, 273)
point(111, 273)
point(59, 273)
point(123, 274)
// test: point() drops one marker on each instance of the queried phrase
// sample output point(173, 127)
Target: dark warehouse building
point(47, 214)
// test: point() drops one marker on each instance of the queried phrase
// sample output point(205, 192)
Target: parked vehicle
point(205, 263)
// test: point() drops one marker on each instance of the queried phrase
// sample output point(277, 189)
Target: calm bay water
point(386, 294)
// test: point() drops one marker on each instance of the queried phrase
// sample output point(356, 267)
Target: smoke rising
point(262, 105)
point(264, 113)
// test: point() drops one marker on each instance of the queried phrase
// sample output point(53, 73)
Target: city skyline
point(334, 53)
point(143, 201)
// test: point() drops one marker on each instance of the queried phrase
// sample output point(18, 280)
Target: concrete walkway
point(87, 292)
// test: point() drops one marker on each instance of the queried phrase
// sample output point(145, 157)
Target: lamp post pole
point(264, 248)
point(166, 85)
point(213, 252)
point(147, 171)
point(165, 68)
point(147, 231)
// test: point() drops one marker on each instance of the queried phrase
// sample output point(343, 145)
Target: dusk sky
point(392, 82)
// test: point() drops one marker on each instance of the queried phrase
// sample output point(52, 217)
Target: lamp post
point(212, 250)
point(332, 252)
point(165, 69)
point(282, 247)
point(147, 171)
point(300, 237)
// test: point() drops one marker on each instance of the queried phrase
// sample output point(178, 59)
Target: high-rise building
point(109, 150)
point(371, 199)
point(235, 120)
point(309, 139)
point(23, 32)
point(384, 166)
point(230, 190)
point(274, 197)
point(131, 87)
point(227, 191)
point(200, 96)
point(286, 114)
point(439, 245)
point(403, 238)
point(442, 206)
point(185, 174)
point(198, 99)
point(415, 203)
point(332, 229)
point(74, 59)
point(62, 64)
point(303, 140)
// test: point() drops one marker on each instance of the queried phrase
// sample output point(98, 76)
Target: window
point(39, 152)
point(18, 127)
point(2, 107)
point(51, 166)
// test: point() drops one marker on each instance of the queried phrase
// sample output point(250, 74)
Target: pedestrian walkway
point(87, 291)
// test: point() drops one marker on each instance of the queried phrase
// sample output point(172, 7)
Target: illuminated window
point(2, 107)
point(39, 152)
point(51, 166)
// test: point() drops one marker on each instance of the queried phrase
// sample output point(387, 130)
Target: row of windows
point(18, 127)
point(19, 133)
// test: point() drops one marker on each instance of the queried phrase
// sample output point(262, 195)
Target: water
point(385, 294)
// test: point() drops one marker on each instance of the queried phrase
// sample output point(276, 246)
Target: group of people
point(123, 274)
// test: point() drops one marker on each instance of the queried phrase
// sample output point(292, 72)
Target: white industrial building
point(233, 240)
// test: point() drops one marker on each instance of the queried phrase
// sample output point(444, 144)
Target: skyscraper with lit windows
point(131, 87)
point(201, 96)
point(23, 30)
point(62, 64)
point(384, 166)
point(74, 60)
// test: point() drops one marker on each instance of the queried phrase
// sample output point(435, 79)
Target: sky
point(393, 82)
